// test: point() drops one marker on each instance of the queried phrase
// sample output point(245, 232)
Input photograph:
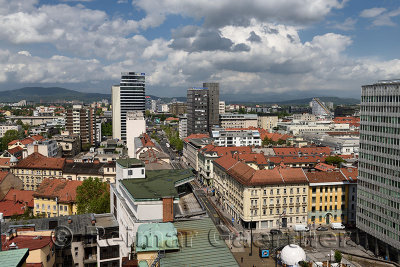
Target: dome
point(292, 254)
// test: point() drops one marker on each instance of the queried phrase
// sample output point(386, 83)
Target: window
point(272, 191)
point(130, 172)
point(265, 192)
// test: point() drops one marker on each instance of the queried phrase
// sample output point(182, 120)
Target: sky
point(253, 48)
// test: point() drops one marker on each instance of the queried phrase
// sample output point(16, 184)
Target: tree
point(334, 160)
point(106, 129)
point(93, 196)
point(338, 256)
point(8, 137)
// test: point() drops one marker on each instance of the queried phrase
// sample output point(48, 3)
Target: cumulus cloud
point(380, 16)
point(249, 52)
point(226, 12)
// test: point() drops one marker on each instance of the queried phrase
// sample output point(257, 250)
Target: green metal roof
point(157, 184)
point(130, 162)
point(156, 236)
point(13, 257)
point(200, 246)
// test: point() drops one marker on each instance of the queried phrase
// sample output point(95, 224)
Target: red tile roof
point(325, 177)
point(28, 140)
point(295, 159)
point(4, 162)
point(221, 151)
point(38, 161)
point(324, 167)
point(64, 189)
point(23, 196)
point(172, 119)
point(226, 161)
point(15, 150)
point(146, 141)
point(351, 174)
point(257, 158)
point(3, 175)
point(246, 175)
point(196, 136)
point(353, 121)
point(296, 151)
point(10, 207)
point(27, 241)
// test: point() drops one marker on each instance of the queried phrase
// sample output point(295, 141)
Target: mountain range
point(58, 94)
point(49, 94)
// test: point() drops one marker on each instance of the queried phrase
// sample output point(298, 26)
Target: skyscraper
point(319, 109)
point(129, 95)
point(378, 201)
point(202, 108)
point(213, 104)
point(82, 121)
point(197, 110)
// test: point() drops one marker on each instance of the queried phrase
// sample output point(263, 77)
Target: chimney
point(168, 209)
point(36, 148)
point(15, 198)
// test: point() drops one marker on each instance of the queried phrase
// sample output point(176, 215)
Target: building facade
point(260, 199)
point(213, 104)
point(33, 169)
point(129, 95)
point(82, 121)
point(6, 127)
point(183, 126)
point(197, 110)
point(231, 120)
point(236, 137)
point(267, 122)
point(378, 196)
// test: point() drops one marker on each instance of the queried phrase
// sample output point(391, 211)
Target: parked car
point(301, 228)
point(322, 228)
point(337, 226)
point(275, 232)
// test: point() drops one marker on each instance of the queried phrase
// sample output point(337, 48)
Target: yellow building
point(328, 197)
point(33, 169)
point(269, 198)
point(56, 197)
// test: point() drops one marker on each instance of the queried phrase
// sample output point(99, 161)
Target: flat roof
point(156, 236)
point(130, 162)
point(157, 184)
point(201, 245)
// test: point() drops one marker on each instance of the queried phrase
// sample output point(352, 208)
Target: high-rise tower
point(129, 95)
point(378, 200)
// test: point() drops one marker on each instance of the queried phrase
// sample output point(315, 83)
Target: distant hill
point(49, 94)
point(334, 100)
point(168, 99)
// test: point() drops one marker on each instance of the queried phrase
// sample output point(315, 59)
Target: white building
point(221, 107)
point(267, 122)
point(304, 117)
point(48, 148)
point(139, 196)
point(338, 145)
point(236, 137)
point(231, 120)
point(183, 126)
point(135, 126)
point(319, 109)
point(6, 127)
point(297, 128)
point(129, 95)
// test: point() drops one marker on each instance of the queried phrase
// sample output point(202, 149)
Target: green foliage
point(338, 256)
point(304, 264)
point(269, 142)
point(173, 137)
point(86, 146)
point(147, 113)
point(99, 112)
point(8, 137)
point(93, 196)
point(27, 215)
point(106, 129)
point(334, 160)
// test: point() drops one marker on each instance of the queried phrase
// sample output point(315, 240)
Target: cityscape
point(174, 133)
